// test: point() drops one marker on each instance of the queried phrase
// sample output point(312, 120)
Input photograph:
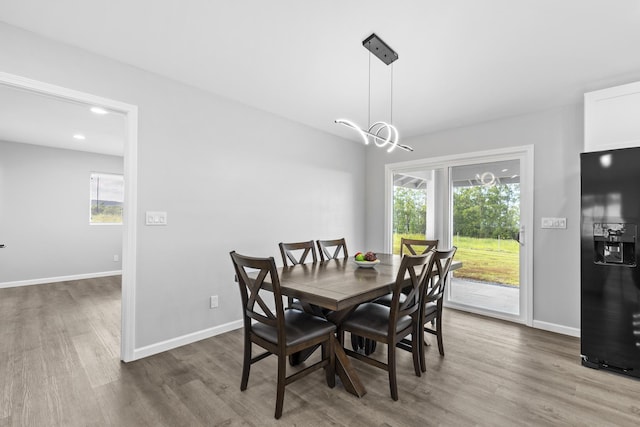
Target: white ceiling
point(32, 118)
point(460, 61)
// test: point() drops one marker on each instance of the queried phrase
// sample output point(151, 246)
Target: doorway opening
point(130, 113)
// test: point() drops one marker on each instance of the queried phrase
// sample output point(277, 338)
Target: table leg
point(346, 372)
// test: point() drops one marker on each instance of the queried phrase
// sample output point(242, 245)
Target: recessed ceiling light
point(99, 110)
point(79, 136)
point(504, 170)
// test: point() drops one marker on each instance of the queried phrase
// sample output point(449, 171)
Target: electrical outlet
point(116, 258)
point(213, 301)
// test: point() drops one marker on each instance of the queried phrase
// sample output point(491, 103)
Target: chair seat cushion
point(386, 300)
point(299, 327)
point(373, 319)
point(430, 309)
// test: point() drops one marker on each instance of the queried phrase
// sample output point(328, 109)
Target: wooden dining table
point(338, 286)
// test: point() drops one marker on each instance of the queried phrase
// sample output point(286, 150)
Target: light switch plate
point(155, 218)
point(554, 223)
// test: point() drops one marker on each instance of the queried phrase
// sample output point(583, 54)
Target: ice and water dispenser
point(615, 244)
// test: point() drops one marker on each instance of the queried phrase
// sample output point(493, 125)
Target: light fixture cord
point(369, 113)
point(391, 118)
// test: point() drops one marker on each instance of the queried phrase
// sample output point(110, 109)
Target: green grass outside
point(106, 219)
point(487, 260)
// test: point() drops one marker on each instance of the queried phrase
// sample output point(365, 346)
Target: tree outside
point(485, 224)
point(409, 211)
point(486, 211)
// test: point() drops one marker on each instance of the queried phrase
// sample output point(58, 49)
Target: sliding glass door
point(480, 203)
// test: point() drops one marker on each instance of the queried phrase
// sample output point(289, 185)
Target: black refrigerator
point(610, 283)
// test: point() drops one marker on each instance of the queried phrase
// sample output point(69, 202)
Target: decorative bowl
point(367, 264)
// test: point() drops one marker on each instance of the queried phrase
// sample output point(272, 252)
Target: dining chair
point(389, 325)
point(338, 244)
point(410, 246)
point(291, 252)
point(296, 253)
point(433, 297)
point(422, 246)
point(386, 300)
point(282, 332)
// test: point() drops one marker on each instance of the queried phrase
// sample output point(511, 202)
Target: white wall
point(558, 138)
point(44, 215)
point(229, 176)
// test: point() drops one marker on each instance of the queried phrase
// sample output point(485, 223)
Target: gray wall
point(44, 214)
point(229, 176)
point(557, 136)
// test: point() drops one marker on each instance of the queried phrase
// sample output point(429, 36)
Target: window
point(106, 198)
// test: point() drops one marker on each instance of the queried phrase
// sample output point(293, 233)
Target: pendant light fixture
point(380, 133)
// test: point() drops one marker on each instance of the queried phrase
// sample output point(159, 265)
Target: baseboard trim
point(172, 343)
point(553, 327)
point(59, 279)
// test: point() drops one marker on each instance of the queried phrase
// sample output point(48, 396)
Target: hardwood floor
point(59, 365)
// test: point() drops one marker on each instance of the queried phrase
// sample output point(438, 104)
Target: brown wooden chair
point(433, 296)
point(409, 246)
point(390, 325)
point(338, 244)
point(290, 250)
point(296, 253)
point(281, 333)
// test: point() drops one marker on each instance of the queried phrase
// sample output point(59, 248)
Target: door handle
point(521, 236)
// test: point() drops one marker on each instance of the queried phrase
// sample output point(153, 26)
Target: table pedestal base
point(346, 372)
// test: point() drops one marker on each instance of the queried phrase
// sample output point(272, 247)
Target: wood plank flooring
point(59, 366)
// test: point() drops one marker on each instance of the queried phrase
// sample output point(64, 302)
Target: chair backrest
point(254, 306)
point(417, 268)
point(338, 244)
point(287, 252)
point(439, 274)
point(410, 245)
